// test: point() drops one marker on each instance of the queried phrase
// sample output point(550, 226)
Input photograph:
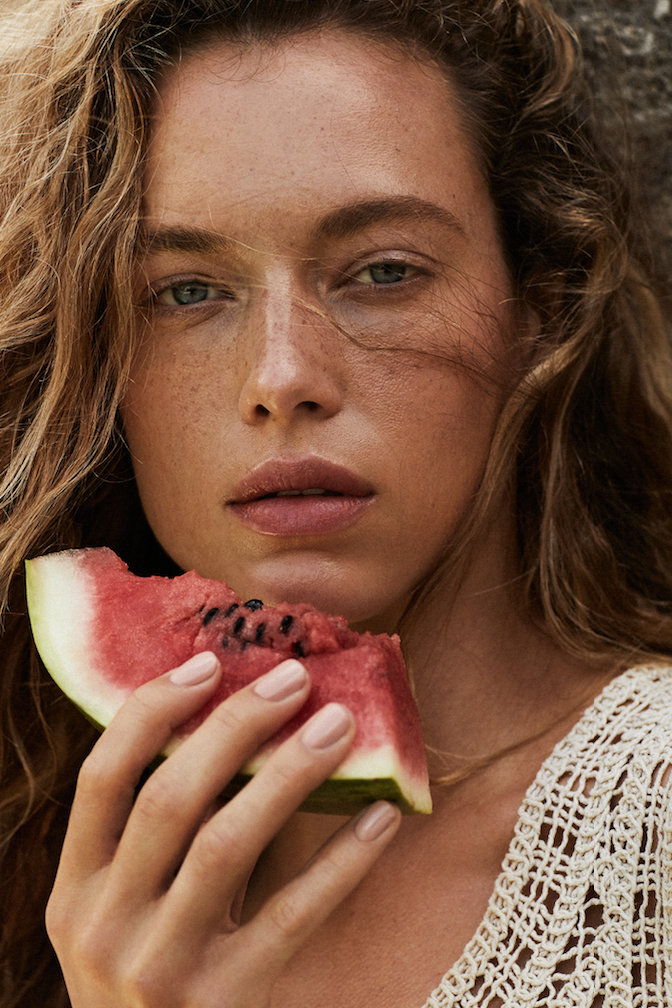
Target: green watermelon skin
point(101, 632)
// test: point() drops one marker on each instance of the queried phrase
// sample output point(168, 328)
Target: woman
point(335, 301)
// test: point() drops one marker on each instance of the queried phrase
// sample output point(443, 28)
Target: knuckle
point(158, 800)
point(229, 720)
point(294, 769)
point(143, 704)
point(95, 775)
point(331, 868)
point(92, 951)
point(288, 915)
point(142, 986)
point(57, 917)
point(216, 845)
point(283, 774)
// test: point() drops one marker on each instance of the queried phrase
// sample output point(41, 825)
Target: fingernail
point(196, 670)
point(373, 821)
point(326, 727)
point(278, 684)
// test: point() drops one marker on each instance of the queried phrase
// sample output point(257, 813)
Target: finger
point(290, 916)
point(240, 968)
point(228, 846)
point(173, 803)
point(110, 774)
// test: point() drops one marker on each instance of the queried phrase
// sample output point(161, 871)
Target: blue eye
point(383, 273)
point(185, 293)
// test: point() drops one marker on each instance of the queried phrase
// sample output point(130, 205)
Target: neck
point(489, 683)
point(486, 677)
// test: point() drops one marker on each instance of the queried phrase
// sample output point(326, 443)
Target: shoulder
point(615, 765)
point(579, 908)
point(633, 711)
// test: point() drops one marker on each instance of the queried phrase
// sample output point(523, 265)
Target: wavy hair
point(584, 440)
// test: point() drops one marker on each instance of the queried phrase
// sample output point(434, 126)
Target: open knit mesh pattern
point(581, 913)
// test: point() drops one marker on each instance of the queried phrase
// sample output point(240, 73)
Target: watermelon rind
point(63, 607)
point(342, 796)
point(358, 781)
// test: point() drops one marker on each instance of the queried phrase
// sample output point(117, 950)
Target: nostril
point(309, 405)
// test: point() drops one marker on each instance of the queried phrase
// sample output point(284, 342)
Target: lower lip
point(310, 515)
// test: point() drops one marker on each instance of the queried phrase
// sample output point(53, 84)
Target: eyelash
point(221, 293)
point(349, 277)
point(390, 267)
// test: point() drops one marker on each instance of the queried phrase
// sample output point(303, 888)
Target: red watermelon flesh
point(101, 632)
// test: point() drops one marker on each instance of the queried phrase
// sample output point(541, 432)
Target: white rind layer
point(380, 763)
point(62, 603)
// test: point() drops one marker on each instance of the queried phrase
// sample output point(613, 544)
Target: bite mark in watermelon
point(102, 632)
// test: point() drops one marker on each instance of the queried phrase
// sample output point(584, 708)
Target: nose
point(292, 363)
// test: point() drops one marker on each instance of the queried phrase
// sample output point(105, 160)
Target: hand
point(146, 905)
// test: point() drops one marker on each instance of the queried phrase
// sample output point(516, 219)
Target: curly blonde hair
point(584, 441)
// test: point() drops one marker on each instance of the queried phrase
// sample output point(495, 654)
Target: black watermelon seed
point(238, 625)
point(298, 650)
point(244, 644)
point(285, 623)
point(232, 608)
point(259, 633)
point(254, 604)
point(210, 614)
point(225, 641)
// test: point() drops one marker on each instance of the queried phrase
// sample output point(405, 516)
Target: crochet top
point(581, 913)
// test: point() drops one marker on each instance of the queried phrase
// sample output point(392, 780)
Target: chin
point(333, 585)
point(327, 587)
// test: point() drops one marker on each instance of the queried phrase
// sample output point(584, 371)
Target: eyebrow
point(349, 219)
point(195, 240)
point(336, 225)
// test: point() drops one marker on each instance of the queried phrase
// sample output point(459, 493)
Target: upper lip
point(307, 473)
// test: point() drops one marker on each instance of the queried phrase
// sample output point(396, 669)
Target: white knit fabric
point(581, 913)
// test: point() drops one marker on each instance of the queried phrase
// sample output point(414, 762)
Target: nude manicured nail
point(282, 681)
point(326, 727)
point(373, 822)
point(199, 668)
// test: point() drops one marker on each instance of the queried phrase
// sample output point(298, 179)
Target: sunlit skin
point(333, 192)
point(295, 195)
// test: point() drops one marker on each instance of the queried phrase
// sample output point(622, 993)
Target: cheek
point(167, 419)
point(171, 401)
point(434, 432)
point(419, 431)
point(449, 439)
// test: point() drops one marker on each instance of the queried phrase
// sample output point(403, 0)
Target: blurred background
point(628, 53)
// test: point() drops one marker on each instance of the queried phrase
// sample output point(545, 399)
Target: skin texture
point(281, 143)
point(313, 169)
point(128, 932)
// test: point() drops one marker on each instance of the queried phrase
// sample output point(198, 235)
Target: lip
point(347, 495)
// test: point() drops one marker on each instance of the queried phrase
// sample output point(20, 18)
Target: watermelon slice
point(101, 632)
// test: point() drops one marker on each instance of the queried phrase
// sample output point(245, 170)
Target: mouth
point(309, 476)
point(311, 492)
point(304, 496)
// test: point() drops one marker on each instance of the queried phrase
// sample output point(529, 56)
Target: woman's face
point(295, 195)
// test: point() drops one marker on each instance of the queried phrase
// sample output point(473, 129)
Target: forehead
point(322, 116)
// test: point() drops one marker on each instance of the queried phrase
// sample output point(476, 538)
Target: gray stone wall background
point(627, 46)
